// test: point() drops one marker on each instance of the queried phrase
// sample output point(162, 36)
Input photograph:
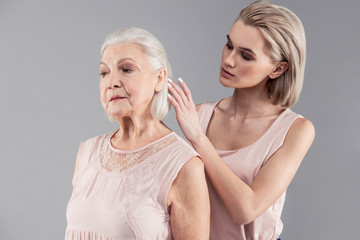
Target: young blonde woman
point(251, 143)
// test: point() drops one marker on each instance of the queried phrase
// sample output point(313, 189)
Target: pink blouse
point(246, 163)
point(122, 194)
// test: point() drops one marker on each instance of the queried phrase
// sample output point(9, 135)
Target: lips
point(226, 74)
point(115, 98)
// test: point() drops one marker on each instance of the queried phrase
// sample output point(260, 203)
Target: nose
point(229, 58)
point(115, 81)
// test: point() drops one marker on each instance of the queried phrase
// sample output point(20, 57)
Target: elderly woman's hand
point(185, 109)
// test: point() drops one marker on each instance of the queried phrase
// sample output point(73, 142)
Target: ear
point(161, 80)
point(280, 68)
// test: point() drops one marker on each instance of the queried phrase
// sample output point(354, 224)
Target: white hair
point(156, 55)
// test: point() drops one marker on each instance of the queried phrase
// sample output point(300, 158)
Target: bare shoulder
point(302, 131)
point(193, 168)
point(189, 202)
point(303, 126)
point(190, 179)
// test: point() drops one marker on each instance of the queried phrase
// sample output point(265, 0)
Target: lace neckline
point(108, 140)
point(117, 161)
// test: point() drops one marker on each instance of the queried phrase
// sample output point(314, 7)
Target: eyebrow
point(242, 48)
point(121, 60)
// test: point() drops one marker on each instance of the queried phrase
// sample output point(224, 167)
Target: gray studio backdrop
point(49, 58)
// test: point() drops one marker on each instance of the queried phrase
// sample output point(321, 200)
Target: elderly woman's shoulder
point(97, 137)
point(181, 141)
point(93, 141)
point(178, 144)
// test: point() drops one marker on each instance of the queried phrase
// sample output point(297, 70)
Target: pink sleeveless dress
point(122, 194)
point(246, 163)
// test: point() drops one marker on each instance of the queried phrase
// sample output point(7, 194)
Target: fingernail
point(169, 85)
point(169, 79)
point(169, 95)
point(180, 80)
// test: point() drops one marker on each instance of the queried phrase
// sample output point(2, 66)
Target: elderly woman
point(251, 143)
point(141, 181)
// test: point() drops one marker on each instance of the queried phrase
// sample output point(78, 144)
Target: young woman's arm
point(244, 202)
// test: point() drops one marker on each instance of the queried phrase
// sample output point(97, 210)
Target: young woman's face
point(244, 63)
point(127, 81)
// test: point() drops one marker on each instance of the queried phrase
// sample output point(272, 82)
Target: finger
point(186, 90)
point(175, 95)
point(174, 103)
point(180, 91)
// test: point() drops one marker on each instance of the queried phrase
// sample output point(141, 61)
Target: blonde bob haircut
point(284, 41)
point(156, 55)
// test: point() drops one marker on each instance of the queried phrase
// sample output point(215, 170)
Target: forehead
point(124, 50)
point(246, 36)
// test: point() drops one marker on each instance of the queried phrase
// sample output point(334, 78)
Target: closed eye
point(245, 53)
point(246, 56)
point(229, 43)
point(229, 46)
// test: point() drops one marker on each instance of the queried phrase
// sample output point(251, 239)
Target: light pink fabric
point(246, 163)
point(124, 205)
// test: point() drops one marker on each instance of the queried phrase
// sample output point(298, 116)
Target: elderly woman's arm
point(188, 201)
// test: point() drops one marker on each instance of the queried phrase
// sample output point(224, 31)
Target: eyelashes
point(103, 74)
point(243, 54)
point(123, 69)
point(229, 45)
point(126, 69)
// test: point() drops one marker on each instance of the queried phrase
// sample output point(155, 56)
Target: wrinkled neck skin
point(137, 131)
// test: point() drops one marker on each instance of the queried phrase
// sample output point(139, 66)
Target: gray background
point(49, 57)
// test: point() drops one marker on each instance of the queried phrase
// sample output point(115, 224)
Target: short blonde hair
point(155, 53)
point(284, 41)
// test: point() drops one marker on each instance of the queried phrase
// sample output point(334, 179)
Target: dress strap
point(205, 113)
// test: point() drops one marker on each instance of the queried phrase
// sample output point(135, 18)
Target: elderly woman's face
point(127, 81)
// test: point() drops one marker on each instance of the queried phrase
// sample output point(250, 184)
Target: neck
point(136, 132)
point(251, 103)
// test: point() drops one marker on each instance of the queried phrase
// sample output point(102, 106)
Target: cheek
point(246, 69)
point(102, 91)
point(254, 70)
point(264, 70)
point(144, 93)
point(256, 74)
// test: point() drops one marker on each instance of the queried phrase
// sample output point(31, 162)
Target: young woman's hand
point(185, 109)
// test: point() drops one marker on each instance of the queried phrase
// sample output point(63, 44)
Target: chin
point(118, 114)
point(225, 82)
